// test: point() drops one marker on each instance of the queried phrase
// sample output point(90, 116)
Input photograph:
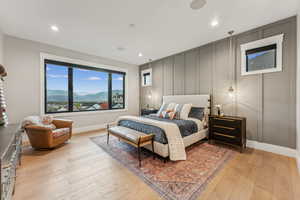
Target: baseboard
point(88, 128)
point(298, 161)
point(274, 149)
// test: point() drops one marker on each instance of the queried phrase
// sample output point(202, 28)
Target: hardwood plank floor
point(81, 170)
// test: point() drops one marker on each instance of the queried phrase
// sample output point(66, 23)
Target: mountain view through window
point(74, 89)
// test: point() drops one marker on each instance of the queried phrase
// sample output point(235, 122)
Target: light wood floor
point(81, 170)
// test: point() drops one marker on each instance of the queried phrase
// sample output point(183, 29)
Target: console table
point(10, 158)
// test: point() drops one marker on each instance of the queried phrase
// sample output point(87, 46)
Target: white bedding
point(175, 140)
point(200, 124)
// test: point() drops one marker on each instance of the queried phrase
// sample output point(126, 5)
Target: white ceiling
point(162, 27)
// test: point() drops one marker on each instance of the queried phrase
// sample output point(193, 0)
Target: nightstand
point(148, 111)
point(230, 130)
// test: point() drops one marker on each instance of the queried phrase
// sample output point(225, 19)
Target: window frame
point(70, 67)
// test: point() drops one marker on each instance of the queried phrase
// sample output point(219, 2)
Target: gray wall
point(268, 101)
point(22, 85)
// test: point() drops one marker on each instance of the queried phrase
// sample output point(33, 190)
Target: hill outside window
point(76, 88)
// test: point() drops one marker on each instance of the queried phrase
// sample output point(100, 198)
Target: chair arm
point(39, 136)
point(38, 128)
point(62, 123)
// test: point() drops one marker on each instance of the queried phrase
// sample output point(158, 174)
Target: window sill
point(86, 113)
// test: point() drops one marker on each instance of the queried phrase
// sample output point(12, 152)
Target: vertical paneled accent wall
point(267, 100)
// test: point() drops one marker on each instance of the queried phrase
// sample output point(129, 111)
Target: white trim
point(278, 40)
point(273, 148)
point(44, 56)
point(298, 161)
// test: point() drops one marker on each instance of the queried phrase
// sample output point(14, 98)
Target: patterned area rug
point(181, 180)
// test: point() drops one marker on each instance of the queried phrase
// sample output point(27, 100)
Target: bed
point(191, 130)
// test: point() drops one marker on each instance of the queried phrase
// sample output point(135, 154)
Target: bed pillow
point(162, 108)
point(182, 111)
point(184, 114)
point(197, 112)
point(178, 109)
point(168, 114)
point(171, 106)
point(166, 107)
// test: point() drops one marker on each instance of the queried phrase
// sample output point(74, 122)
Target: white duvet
point(175, 141)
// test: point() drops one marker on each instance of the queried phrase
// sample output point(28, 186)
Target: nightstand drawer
point(225, 130)
point(232, 139)
point(226, 122)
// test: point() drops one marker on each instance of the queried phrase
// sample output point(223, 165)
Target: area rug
point(181, 180)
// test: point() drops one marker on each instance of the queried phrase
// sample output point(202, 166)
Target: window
point(77, 88)
point(146, 77)
point(261, 58)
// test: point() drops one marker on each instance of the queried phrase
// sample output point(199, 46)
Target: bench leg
point(107, 137)
point(152, 143)
point(139, 154)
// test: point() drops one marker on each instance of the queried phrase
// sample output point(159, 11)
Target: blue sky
point(252, 56)
point(85, 81)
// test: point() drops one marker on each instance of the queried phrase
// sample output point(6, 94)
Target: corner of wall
point(298, 87)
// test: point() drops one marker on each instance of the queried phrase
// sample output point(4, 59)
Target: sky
point(85, 81)
point(254, 55)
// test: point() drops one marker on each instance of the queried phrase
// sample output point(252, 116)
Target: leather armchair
point(45, 138)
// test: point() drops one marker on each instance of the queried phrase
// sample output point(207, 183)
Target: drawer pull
point(224, 119)
point(224, 127)
point(220, 134)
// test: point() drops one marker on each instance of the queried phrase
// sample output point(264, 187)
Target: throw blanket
point(175, 141)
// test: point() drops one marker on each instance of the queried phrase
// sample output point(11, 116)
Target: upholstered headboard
point(196, 100)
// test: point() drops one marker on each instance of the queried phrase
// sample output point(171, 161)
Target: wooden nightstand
point(148, 111)
point(229, 130)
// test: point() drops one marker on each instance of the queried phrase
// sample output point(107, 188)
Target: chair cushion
point(126, 133)
point(45, 122)
point(60, 132)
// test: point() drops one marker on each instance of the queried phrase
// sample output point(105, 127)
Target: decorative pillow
point(197, 112)
point(30, 120)
point(171, 106)
point(166, 107)
point(47, 119)
point(163, 107)
point(186, 108)
point(178, 109)
point(38, 121)
point(168, 114)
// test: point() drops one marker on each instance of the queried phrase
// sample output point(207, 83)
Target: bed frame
point(197, 101)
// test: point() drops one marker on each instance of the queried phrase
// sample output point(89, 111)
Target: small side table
point(229, 130)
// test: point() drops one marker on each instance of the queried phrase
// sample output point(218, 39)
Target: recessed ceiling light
point(54, 28)
point(140, 54)
point(197, 4)
point(214, 23)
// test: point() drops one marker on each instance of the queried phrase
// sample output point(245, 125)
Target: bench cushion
point(126, 133)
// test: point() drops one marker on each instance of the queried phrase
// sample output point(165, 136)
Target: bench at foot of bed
point(132, 137)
